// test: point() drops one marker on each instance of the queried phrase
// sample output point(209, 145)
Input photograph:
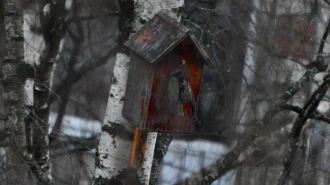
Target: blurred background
point(259, 49)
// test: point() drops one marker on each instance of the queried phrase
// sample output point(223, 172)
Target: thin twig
point(41, 175)
point(322, 118)
point(293, 108)
point(324, 38)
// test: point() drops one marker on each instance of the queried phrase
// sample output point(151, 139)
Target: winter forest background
point(264, 110)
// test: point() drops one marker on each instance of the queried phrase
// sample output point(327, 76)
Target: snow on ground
point(77, 127)
point(182, 159)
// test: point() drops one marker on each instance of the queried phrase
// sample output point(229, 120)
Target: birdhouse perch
point(165, 73)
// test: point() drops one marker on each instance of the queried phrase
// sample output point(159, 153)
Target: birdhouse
point(165, 73)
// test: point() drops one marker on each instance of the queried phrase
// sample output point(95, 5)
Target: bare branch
point(309, 109)
point(162, 143)
point(230, 160)
point(78, 40)
point(38, 171)
point(322, 118)
point(74, 77)
point(293, 108)
point(324, 38)
point(308, 113)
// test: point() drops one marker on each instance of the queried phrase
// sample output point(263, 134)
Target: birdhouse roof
point(160, 36)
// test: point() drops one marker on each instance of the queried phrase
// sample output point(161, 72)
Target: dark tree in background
point(12, 92)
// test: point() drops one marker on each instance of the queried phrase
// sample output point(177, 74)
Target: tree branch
point(322, 118)
point(293, 108)
point(308, 112)
point(78, 40)
point(51, 15)
point(230, 160)
point(74, 77)
point(298, 125)
point(327, 2)
point(161, 147)
point(38, 171)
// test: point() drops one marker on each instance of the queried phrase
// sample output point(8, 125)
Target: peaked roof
point(159, 36)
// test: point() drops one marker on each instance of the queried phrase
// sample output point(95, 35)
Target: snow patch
point(76, 127)
point(185, 158)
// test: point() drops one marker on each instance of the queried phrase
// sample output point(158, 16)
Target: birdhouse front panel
point(175, 90)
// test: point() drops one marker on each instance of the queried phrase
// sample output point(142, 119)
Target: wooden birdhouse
point(165, 73)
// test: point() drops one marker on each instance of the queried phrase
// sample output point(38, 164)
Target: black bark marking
point(118, 130)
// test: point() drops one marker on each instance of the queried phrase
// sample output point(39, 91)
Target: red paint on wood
point(152, 102)
point(187, 109)
point(161, 116)
point(145, 38)
point(165, 68)
point(193, 66)
point(163, 49)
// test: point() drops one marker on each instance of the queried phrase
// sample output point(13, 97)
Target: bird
point(180, 92)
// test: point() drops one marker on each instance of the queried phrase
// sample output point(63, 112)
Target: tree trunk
point(51, 14)
point(113, 152)
point(13, 91)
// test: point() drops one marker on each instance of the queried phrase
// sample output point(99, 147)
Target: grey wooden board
point(157, 37)
point(138, 90)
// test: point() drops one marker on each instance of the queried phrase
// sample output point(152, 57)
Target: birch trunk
point(113, 152)
point(51, 15)
point(13, 91)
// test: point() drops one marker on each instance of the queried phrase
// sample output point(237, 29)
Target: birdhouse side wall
point(138, 90)
point(163, 114)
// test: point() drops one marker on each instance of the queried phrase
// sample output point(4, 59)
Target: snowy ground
point(77, 127)
point(183, 158)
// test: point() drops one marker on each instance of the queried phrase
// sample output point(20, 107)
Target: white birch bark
point(114, 149)
point(114, 152)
